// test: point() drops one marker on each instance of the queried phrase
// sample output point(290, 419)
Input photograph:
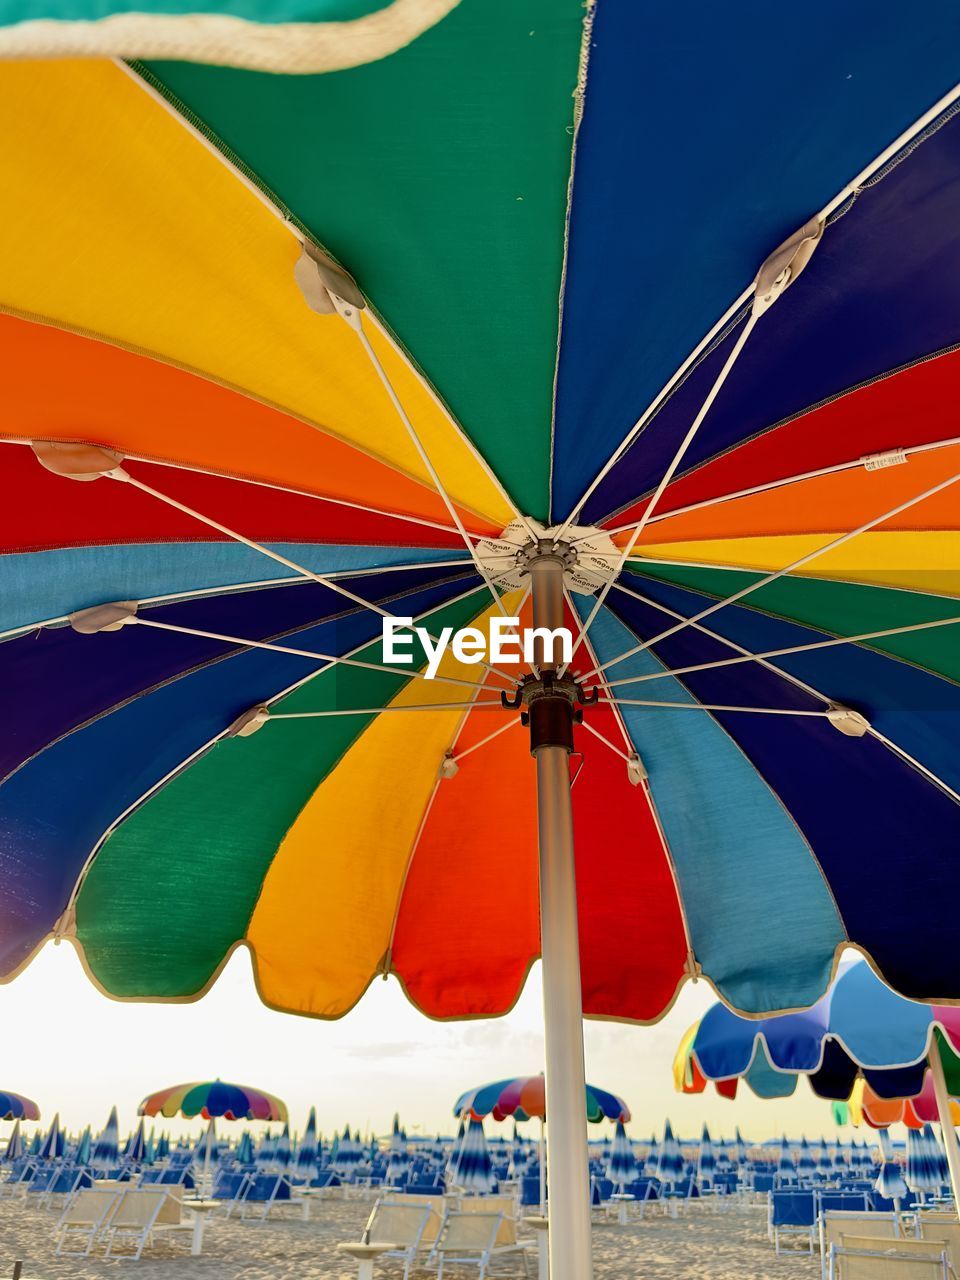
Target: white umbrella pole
point(207, 1184)
point(946, 1119)
point(567, 1155)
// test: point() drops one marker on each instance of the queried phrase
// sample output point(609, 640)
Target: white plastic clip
point(636, 770)
point(104, 617)
point(850, 723)
point(880, 461)
point(326, 288)
point(249, 722)
point(449, 767)
point(79, 461)
point(785, 265)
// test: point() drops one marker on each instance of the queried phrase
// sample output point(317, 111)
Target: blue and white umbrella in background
point(54, 1144)
point(670, 1158)
point(890, 1183)
point(163, 1147)
point(740, 1147)
point(454, 1156)
point(349, 1154)
point(106, 1149)
point(308, 1153)
point(474, 1168)
point(244, 1153)
point(786, 1166)
point(806, 1165)
point(707, 1162)
point(937, 1155)
point(652, 1158)
point(268, 1145)
point(922, 1172)
point(519, 1155)
point(622, 1164)
point(283, 1153)
point(15, 1147)
point(206, 1153)
point(136, 1149)
point(398, 1162)
point(825, 1163)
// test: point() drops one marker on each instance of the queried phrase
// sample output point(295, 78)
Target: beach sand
point(729, 1245)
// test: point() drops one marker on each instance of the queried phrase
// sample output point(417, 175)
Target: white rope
point(328, 658)
point(324, 581)
point(666, 478)
point(356, 324)
point(747, 656)
point(779, 573)
point(301, 48)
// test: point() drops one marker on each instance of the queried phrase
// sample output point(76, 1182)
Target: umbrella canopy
point(622, 1163)
point(282, 1154)
point(214, 1098)
point(163, 1147)
point(417, 375)
point(806, 1163)
point(524, 1098)
point(474, 1170)
point(348, 1155)
point(244, 1153)
point(14, 1106)
point(786, 1165)
point(740, 1147)
point(860, 1027)
point(922, 1173)
point(890, 1181)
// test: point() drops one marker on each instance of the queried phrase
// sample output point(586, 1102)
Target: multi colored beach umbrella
point(708, 396)
point(14, 1106)
point(524, 1098)
point(214, 1098)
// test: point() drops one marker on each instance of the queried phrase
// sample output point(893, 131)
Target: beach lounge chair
point(138, 1215)
point(834, 1223)
point(399, 1223)
point(471, 1239)
point(864, 1258)
point(84, 1218)
point(61, 1189)
point(945, 1227)
point(266, 1192)
point(434, 1202)
point(793, 1213)
point(230, 1188)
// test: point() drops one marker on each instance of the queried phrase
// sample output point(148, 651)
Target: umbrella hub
point(551, 705)
point(589, 557)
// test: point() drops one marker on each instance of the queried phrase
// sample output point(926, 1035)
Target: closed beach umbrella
point(136, 1148)
point(268, 1144)
point(474, 1171)
point(890, 1183)
point(206, 1152)
point(922, 1174)
point(825, 1162)
point(163, 1147)
point(622, 1164)
point(707, 1160)
point(84, 1147)
point(244, 1153)
point(670, 1158)
point(740, 1148)
point(349, 1154)
point(54, 1143)
point(307, 1153)
point(438, 367)
point(282, 1154)
point(786, 1166)
point(15, 1147)
point(806, 1164)
point(454, 1154)
point(398, 1160)
point(936, 1153)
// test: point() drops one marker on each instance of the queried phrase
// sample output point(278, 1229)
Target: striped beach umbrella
point(474, 1170)
point(282, 1152)
point(135, 1151)
point(349, 1154)
point(16, 1146)
point(806, 1163)
point(825, 1161)
point(890, 1183)
point(524, 1098)
point(305, 1165)
point(936, 1154)
point(922, 1174)
point(54, 1143)
point(206, 1152)
point(786, 1165)
point(670, 1158)
point(398, 1161)
point(622, 1163)
point(707, 1159)
point(163, 1147)
point(454, 1153)
point(106, 1149)
point(740, 1147)
point(709, 394)
point(244, 1153)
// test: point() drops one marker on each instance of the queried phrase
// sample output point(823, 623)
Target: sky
point(75, 1051)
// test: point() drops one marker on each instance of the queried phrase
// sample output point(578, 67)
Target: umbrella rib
point(328, 658)
point(352, 316)
point(851, 464)
point(390, 710)
point(714, 706)
point(667, 477)
point(779, 573)
point(323, 579)
point(729, 317)
point(762, 659)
